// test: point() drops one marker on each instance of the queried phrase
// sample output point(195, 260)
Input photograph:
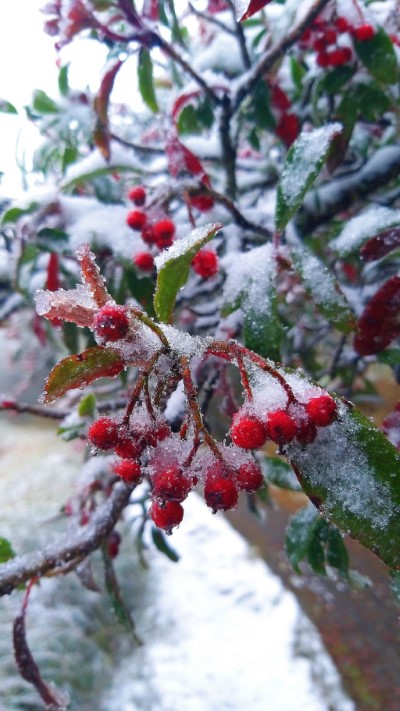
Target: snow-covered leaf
point(379, 57)
point(358, 492)
point(146, 81)
point(76, 371)
point(14, 213)
point(303, 163)
point(262, 327)
point(361, 228)
point(173, 267)
point(324, 290)
point(298, 534)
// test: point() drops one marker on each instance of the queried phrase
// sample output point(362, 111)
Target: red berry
point(249, 477)
point(203, 203)
point(247, 431)
point(148, 235)
point(220, 493)
point(103, 433)
point(137, 195)
point(205, 263)
point(136, 219)
point(330, 37)
point(157, 434)
point(342, 24)
point(323, 59)
point(171, 484)
point(128, 469)
point(111, 322)
point(128, 448)
point(145, 261)
point(281, 427)
point(288, 128)
point(322, 410)
point(306, 431)
point(339, 56)
point(166, 516)
point(164, 231)
point(113, 544)
point(363, 33)
point(320, 44)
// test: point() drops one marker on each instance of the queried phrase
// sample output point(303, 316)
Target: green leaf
point(162, 544)
point(6, 550)
point(146, 81)
point(299, 532)
point(63, 84)
point(87, 406)
point(316, 547)
point(43, 104)
point(259, 109)
point(379, 57)
point(173, 267)
point(280, 474)
point(333, 81)
point(336, 553)
point(352, 473)
point(372, 101)
point(142, 289)
point(298, 72)
point(71, 338)
point(7, 108)
point(390, 357)
point(324, 290)
point(52, 240)
point(76, 371)
point(263, 329)
point(303, 163)
point(121, 611)
point(14, 213)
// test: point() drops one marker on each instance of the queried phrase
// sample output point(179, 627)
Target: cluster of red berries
point(157, 235)
point(160, 235)
point(323, 37)
point(297, 423)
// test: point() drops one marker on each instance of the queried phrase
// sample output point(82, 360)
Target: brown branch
point(267, 61)
point(81, 544)
point(211, 19)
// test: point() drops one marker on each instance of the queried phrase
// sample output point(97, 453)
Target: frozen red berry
point(306, 430)
point(247, 431)
point(220, 494)
point(128, 446)
point(145, 261)
point(136, 219)
point(249, 477)
point(323, 59)
point(322, 410)
point(205, 263)
point(148, 235)
point(157, 433)
point(111, 322)
point(164, 232)
point(281, 427)
point(137, 195)
point(171, 484)
point(363, 33)
point(128, 469)
point(342, 24)
point(103, 433)
point(203, 203)
point(166, 516)
point(338, 57)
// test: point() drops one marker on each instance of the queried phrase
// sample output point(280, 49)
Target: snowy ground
point(220, 631)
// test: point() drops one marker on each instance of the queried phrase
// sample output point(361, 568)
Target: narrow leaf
point(352, 473)
point(244, 10)
point(146, 81)
point(122, 613)
point(14, 213)
point(63, 84)
point(379, 57)
point(43, 104)
point(324, 290)
point(76, 371)
point(7, 108)
point(162, 544)
point(303, 163)
point(173, 267)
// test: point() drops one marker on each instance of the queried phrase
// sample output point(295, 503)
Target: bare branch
point(57, 555)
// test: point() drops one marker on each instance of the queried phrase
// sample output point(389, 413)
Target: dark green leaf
point(303, 163)
point(316, 547)
point(379, 57)
point(324, 290)
point(43, 104)
point(87, 406)
point(69, 157)
point(162, 544)
point(52, 240)
point(280, 474)
point(391, 356)
point(263, 331)
point(122, 613)
point(6, 550)
point(75, 371)
point(352, 472)
point(336, 552)
point(333, 81)
point(142, 289)
point(173, 268)
point(7, 108)
point(259, 109)
point(372, 101)
point(63, 84)
point(14, 213)
point(299, 533)
point(145, 80)
point(71, 338)
point(188, 121)
point(298, 72)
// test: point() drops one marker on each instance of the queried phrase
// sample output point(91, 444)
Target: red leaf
point(91, 275)
point(253, 7)
point(101, 136)
point(381, 244)
point(181, 159)
point(53, 281)
point(379, 323)
point(27, 666)
point(182, 100)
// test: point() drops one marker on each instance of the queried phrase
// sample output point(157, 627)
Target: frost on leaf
point(361, 228)
point(91, 275)
point(75, 305)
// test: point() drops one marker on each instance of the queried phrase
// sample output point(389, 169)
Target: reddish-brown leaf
point(379, 323)
point(91, 275)
point(253, 7)
point(381, 244)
